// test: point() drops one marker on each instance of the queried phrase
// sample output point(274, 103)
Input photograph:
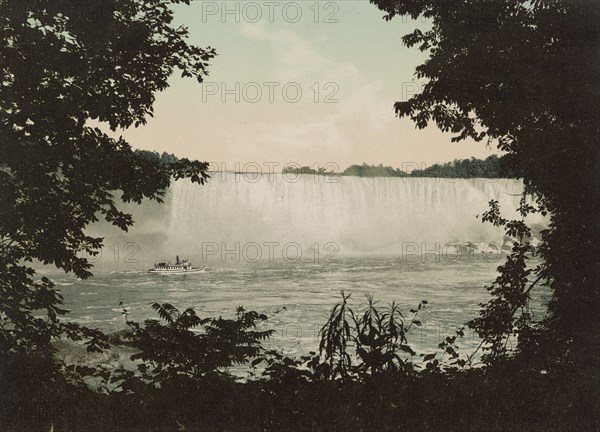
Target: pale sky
point(357, 63)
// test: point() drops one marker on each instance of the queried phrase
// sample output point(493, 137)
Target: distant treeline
point(165, 158)
point(491, 167)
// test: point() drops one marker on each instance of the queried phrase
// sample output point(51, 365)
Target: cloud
point(302, 135)
point(361, 103)
point(252, 31)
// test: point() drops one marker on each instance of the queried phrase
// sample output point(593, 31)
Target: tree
point(491, 167)
point(524, 74)
point(63, 64)
point(174, 349)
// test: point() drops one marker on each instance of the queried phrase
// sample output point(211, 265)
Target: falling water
point(367, 222)
point(357, 215)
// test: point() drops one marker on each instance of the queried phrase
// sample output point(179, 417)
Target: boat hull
point(170, 272)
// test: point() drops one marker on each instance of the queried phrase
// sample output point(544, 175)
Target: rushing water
point(297, 297)
point(243, 218)
point(286, 247)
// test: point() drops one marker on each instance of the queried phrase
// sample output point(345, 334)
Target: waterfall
point(357, 215)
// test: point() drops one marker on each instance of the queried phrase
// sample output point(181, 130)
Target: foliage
point(64, 64)
point(366, 170)
point(523, 74)
point(380, 336)
point(193, 347)
point(491, 167)
point(451, 349)
point(164, 159)
point(290, 169)
point(167, 392)
point(281, 369)
point(474, 400)
point(336, 337)
point(498, 321)
point(376, 339)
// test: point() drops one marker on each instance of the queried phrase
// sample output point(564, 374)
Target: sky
point(306, 83)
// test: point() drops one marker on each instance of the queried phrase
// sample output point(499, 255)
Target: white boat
point(180, 267)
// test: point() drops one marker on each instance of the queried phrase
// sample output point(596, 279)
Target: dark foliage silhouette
point(523, 75)
point(64, 64)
